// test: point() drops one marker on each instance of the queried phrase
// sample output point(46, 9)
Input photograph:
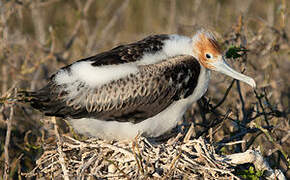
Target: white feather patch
point(175, 45)
point(178, 45)
point(94, 76)
point(150, 58)
point(196, 37)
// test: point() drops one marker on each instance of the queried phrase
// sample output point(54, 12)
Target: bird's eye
point(208, 56)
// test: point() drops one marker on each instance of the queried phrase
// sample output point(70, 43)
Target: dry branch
point(60, 151)
point(7, 143)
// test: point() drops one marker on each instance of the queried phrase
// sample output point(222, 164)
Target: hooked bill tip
point(252, 83)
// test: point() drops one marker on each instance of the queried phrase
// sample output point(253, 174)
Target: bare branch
point(59, 150)
point(7, 142)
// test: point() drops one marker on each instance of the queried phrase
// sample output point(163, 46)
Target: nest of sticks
point(178, 158)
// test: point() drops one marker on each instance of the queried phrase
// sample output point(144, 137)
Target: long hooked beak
point(223, 67)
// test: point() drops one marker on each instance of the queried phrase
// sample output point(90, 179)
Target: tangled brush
point(180, 157)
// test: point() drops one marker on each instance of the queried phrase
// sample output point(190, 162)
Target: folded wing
point(133, 98)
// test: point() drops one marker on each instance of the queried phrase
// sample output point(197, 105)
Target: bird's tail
point(43, 100)
point(30, 96)
point(20, 96)
point(37, 99)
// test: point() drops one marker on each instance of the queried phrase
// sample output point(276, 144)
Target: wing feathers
point(132, 98)
point(130, 52)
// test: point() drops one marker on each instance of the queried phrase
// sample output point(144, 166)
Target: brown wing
point(134, 98)
point(129, 52)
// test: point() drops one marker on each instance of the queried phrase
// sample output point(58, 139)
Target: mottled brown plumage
point(134, 98)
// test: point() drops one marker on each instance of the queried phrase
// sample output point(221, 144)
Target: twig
point(38, 22)
point(84, 166)
point(59, 149)
point(172, 165)
point(271, 139)
point(120, 170)
point(232, 143)
point(259, 97)
point(189, 133)
point(137, 155)
point(7, 142)
point(225, 95)
point(242, 102)
point(226, 116)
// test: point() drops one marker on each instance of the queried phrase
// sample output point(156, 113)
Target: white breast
point(154, 126)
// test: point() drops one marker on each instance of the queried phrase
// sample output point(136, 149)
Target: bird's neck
point(201, 87)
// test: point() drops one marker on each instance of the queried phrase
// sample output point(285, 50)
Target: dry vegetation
point(38, 37)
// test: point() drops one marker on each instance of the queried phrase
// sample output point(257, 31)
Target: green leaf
point(250, 173)
point(234, 52)
point(252, 170)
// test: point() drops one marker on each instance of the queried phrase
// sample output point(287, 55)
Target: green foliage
point(234, 52)
point(250, 173)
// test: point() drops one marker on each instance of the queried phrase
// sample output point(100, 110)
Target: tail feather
point(42, 100)
point(50, 101)
point(31, 96)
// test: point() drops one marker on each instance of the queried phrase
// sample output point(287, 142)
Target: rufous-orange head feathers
point(206, 48)
point(207, 51)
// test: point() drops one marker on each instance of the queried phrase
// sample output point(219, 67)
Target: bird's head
point(210, 56)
